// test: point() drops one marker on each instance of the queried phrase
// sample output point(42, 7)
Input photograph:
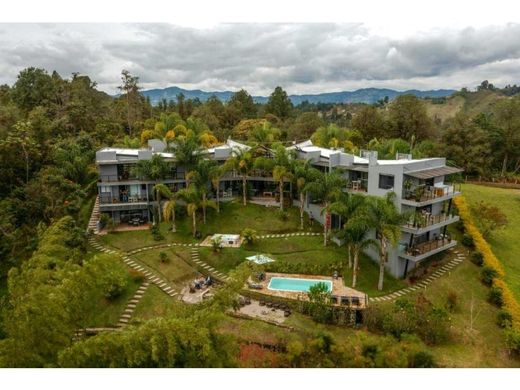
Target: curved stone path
point(459, 258)
point(149, 274)
point(131, 305)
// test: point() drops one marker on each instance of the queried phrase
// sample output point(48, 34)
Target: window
point(386, 182)
point(105, 189)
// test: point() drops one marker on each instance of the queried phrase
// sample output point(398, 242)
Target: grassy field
point(233, 218)
point(108, 312)
point(505, 242)
point(309, 256)
point(155, 303)
point(175, 269)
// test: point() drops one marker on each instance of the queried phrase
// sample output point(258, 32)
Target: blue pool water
point(297, 285)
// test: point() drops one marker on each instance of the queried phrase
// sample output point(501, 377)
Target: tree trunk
point(504, 164)
point(244, 190)
point(355, 269)
point(349, 251)
point(158, 199)
point(218, 197)
point(302, 210)
point(325, 230)
point(194, 223)
point(174, 228)
point(382, 256)
point(281, 195)
point(204, 207)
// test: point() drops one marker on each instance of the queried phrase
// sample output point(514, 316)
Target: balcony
point(104, 200)
point(423, 195)
point(357, 185)
point(426, 249)
point(422, 223)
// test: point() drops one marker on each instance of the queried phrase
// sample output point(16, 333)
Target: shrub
point(216, 243)
point(467, 240)
point(487, 275)
point(477, 258)
point(103, 219)
point(156, 233)
point(495, 296)
point(452, 301)
point(163, 257)
point(504, 319)
point(423, 359)
point(513, 341)
point(249, 235)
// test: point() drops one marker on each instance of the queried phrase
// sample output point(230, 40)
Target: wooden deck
point(338, 290)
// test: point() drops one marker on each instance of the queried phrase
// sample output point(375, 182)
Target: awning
point(433, 172)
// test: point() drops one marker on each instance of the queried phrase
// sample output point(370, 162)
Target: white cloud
point(303, 58)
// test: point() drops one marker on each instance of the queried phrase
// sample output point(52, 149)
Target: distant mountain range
point(365, 95)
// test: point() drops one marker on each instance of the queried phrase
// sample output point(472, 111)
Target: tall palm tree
point(187, 153)
point(168, 211)
point(328, 187)
point(303, 173)
point(347, 206)
point(194, 202)
point(154, 169)
point(161, 190)
point(201, 177)
point(384, 217)
point(280, 174)
point(355, 232)
point(242, 161)
point(216, 175)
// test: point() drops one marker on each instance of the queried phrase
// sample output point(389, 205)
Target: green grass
point(175, 269)
point(505, 242)
point(233, 218)
point(310, 257)
point(154, 303)
point(109, 311)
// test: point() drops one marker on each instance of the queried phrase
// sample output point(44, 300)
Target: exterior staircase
point(93, 223)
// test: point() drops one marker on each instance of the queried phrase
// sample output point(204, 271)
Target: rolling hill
point(365, 95)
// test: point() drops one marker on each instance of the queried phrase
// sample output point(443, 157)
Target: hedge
point(490, 260)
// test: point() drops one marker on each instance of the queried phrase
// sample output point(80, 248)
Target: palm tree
point(201, 177)
point(303, 173)
point(280, 174)
point(187, 153)
point(347, 206)
point(383, 216)
point(242, 161)
point(216, 175)
point(168, 212)
point(154, 169)
point(355, 232)
point(327, 187)
point(194, 202)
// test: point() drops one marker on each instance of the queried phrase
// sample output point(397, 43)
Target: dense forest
point(50, 128)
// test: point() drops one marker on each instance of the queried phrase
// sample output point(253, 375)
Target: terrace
point(423, 194)
point(422, 222)
point(425, 249)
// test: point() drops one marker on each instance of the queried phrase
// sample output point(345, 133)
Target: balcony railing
point(424, 220)
point(130, 199)
point(424, 193)
point(428, 246)
point(358, 185)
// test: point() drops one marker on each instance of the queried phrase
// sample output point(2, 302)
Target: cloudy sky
point(303, 58)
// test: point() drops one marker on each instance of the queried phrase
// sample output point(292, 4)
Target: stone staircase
point(131, 305)
point(94, 218)
point(204, 268)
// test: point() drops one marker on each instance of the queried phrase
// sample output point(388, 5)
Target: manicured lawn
point(108, 312)
point(505, 242)
point(306, 255)
point(233, 218)
point(175, 269)
point(155, 303)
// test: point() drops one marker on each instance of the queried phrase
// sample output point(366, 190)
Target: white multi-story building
point(419, 184)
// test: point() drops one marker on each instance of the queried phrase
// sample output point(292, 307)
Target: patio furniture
point(286, 313)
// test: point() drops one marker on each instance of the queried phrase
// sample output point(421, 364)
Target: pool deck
point(338, 288)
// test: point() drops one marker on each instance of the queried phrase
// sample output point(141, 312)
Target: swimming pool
point(295, 284)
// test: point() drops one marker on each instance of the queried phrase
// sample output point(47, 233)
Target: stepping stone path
point(290, 235)
point(149, 275)
point(206, 268)
point(460, 257)
point(149, 248)
point(132, 303)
